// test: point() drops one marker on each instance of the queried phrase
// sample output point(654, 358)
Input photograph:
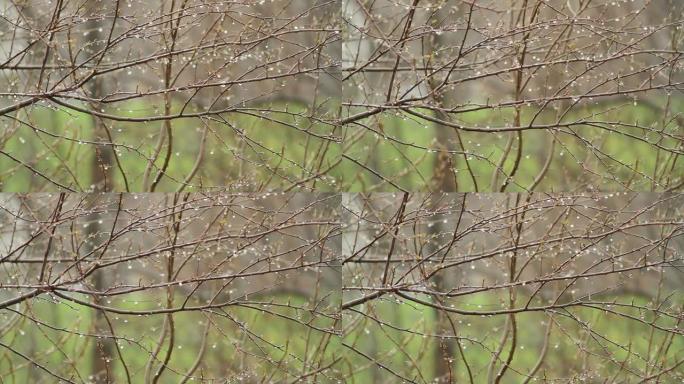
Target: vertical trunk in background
point(443, 181)
point(444, 351)
point(100, 173)
point(447, 139)
point(101, 182)
point(449, 347)
point(103, 350)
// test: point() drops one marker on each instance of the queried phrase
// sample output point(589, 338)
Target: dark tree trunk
point(103, 350)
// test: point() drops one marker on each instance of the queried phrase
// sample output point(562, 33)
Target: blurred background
point(161, 288)
point(160, 96)
point(513, 288)
point(514, 95)
point(309, 158)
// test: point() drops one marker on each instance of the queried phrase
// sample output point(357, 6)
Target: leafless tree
point(164, 95)
point(287, 191)
point(513, 95)
point(513, 288)
point(199, 287)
